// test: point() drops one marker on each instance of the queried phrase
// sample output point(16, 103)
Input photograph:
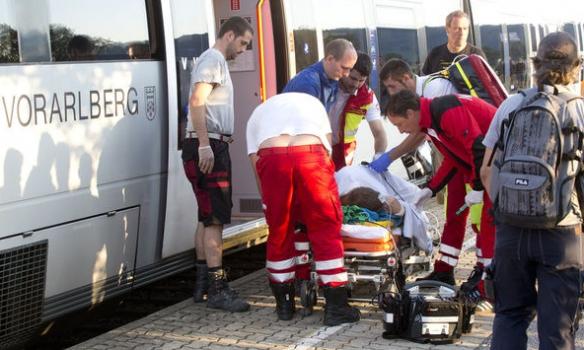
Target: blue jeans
point(552, 258)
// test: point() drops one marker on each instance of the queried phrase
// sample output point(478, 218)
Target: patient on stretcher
point(363, 204)
point(388, 196)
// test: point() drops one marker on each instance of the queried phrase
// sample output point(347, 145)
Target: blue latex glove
point(382, 163)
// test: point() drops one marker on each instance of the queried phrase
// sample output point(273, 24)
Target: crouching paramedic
point(288, 142)
point(456, 125)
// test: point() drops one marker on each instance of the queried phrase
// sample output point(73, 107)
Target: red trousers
point(298, 185)
point(455, 227)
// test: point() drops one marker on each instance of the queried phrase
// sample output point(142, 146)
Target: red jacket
point(460, 124)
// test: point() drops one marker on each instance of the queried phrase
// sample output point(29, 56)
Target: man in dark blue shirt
point(321, 79)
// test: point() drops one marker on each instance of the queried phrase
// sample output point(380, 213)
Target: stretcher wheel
point(307, 297)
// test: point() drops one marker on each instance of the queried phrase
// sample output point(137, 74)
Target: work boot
point(440, 276)
point(201, 283)
point(285, 304)
point(221, 296)
point(337, 309)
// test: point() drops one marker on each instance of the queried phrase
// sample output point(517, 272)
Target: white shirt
point(435, 87)
point(211, 68)
point(291, 113)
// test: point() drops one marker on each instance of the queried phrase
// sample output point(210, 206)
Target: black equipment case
point(425, 312)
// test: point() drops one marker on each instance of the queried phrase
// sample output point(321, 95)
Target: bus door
point(190, 28)
point(247, 73)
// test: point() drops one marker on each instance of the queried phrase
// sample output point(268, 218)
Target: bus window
point(580, 36)
point(518, 56)
point(570, 29)
point(533, 31)
point(399, 43)
point(542, 32)
point(191, 39)
point(492, 45)
point(300, 15)
point(8, 36)
point(87, 30)
point(435, 36)
point(357, 36)
point(305, 48)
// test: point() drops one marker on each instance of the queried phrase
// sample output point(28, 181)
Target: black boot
point(337, 309)
point(442, 276)
point(201, 283)
point(221, 296)
point(285, 305)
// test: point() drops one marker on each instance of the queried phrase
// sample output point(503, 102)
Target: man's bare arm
point(201, 92)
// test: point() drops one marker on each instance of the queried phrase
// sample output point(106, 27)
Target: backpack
point(472, 75)
point(539, 159)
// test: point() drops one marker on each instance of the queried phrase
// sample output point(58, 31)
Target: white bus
point(93, 197)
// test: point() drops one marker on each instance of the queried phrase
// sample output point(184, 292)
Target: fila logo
point(522, 182)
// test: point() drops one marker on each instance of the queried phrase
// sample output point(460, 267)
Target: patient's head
point(363, 197)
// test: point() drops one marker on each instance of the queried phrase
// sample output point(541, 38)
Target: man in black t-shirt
point(457, 26)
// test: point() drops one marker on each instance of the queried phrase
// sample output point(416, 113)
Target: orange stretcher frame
point(371, 245)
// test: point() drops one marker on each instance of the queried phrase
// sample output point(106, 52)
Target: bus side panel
point(81, 141)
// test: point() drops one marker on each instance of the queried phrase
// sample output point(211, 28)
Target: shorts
point(213, 190)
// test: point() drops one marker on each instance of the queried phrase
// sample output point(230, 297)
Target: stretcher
point(374, 254)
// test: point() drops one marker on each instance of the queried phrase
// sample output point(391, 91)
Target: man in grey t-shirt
point(537, 271)
point(207, 163)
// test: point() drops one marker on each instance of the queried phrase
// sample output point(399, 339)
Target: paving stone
point(194, 326)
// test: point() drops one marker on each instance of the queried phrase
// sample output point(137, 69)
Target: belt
point(291, 149)
point(211, 135)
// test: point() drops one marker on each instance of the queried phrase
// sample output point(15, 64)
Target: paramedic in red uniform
point(354, 103)
point(288, 142)
point(320, 80)
point(456, 125)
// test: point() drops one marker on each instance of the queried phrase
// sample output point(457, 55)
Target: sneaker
point(440, 276)
point(485, 307)
point(473, 284)
point(226, 299)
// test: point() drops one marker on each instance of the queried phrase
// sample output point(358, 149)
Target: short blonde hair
point(455, 14)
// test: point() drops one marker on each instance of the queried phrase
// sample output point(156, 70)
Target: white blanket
point(415, 220)
point(364, 232)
